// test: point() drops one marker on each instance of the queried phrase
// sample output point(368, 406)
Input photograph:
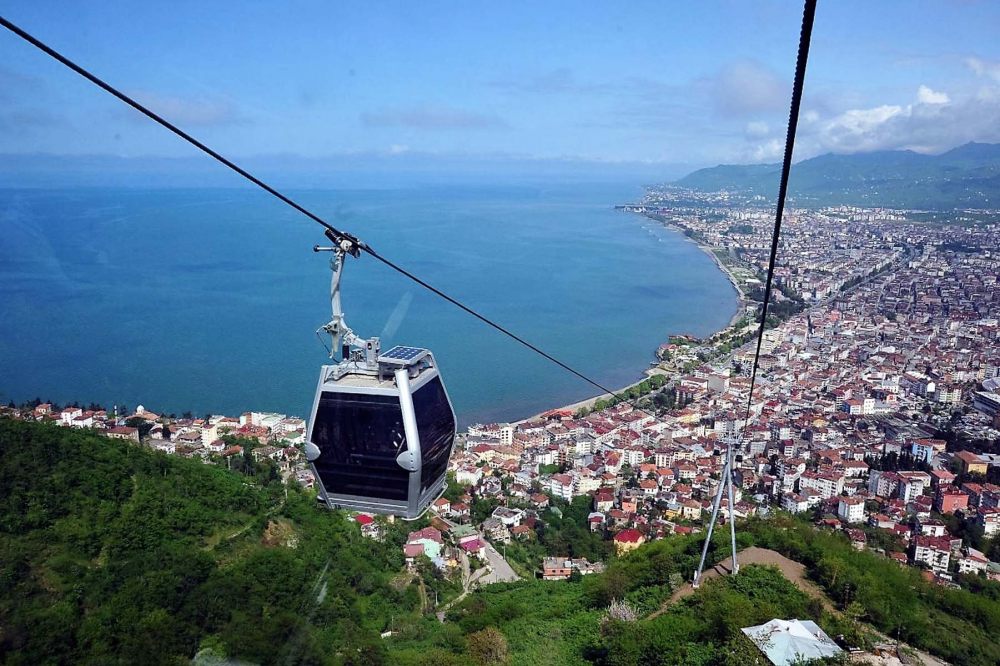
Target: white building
point(973, 563)
point(912, 485)
point(67, 415)
point(989, 520)
point(506, 432)
point(468, 475)
point(827, 485)
point(794, 503)
point(209, 434)
point(935, 552)
point(851, 509)
point(560, 485)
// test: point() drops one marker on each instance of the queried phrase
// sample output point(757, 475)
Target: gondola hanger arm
point(342, 337)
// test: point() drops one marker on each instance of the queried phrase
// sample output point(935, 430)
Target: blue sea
point(207, 300)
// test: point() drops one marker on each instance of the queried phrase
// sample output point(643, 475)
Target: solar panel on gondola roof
point(403, 356)
point(402, 353)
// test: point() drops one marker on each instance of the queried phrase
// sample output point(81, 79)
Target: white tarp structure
point(788, 641)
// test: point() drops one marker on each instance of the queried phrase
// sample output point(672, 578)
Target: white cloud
point(860, 122)
point(810, 116)
point(927, 96)
point(984, 68)
point(398, 148)
point(935, 123)
point(769, 151)
point(749, 88)
point(757, 129)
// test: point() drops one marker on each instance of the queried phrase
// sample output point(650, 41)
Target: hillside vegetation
point(964, 177)
point(112, 554)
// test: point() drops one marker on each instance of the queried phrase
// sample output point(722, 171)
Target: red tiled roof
point(429, 533)
point(628, 536)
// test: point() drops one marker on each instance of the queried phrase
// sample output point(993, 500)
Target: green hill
point(112, 554)
point(964, 177)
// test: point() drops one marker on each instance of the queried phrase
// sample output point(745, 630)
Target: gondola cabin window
point(436, 426)
point(360, 436)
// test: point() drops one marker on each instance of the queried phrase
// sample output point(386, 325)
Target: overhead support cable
point(726, 484)
point(351, 244)
point(354, 246)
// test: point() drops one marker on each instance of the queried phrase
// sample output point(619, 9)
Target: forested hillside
point(111, 554)
point(966, 177)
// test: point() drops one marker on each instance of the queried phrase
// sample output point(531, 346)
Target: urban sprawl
point(875, 411)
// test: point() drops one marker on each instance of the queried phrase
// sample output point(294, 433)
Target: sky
point(637, 83)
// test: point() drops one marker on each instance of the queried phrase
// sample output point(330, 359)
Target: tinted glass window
point(436, 425)
point(359, 437)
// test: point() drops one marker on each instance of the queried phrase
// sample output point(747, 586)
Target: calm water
point(207, 300)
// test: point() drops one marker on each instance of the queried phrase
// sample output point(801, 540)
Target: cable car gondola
point(382, 427)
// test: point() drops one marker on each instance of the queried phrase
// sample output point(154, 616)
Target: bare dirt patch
point(279, 533)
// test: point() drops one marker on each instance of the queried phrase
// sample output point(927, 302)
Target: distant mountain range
point(964, 177)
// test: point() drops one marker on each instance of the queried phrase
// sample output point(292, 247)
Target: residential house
point(989, 520)
point(560, 568)
point(627, 540)
point(950, 499)
point(851, 509)
point(794, 503)
point(495, 530)
point(123, 432)
point(540, 500)
point(429, 539)
point(561, 485)
point(934, 552)
point(971, 463)
point(973, 562)
point(441, 506)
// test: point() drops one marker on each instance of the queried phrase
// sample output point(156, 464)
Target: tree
point(488, 646)
point(829, 570)
point(741, 651)
point(141, 424)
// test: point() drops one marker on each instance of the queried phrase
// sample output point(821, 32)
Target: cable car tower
point(382, 426)
point(725, 486)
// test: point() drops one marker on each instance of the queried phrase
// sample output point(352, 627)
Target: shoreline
point(741, 299)
point(741, 302)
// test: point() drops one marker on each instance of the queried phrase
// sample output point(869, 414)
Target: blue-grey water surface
point(207, 299)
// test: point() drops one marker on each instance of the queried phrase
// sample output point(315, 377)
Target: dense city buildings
point(876, 407)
